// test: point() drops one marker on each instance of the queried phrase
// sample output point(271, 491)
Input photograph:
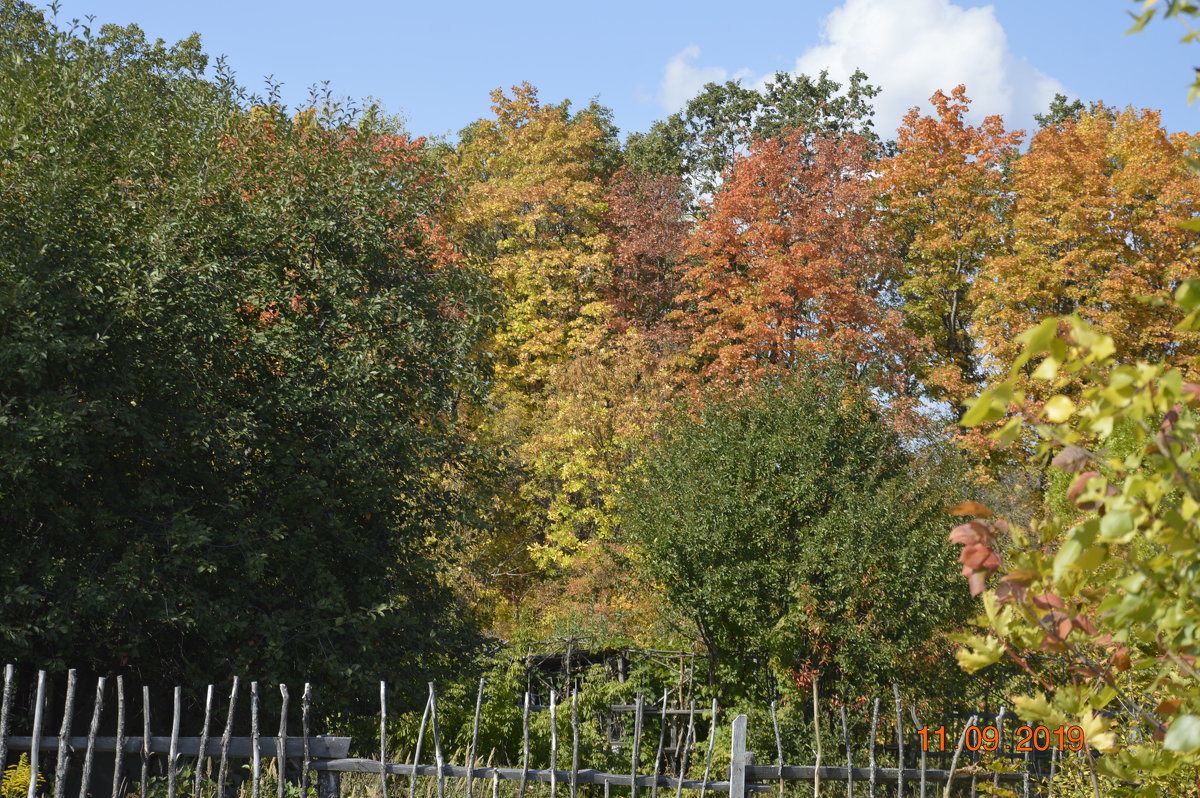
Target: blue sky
point(434, 61)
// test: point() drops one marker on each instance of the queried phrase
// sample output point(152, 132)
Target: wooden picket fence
point(328, 758)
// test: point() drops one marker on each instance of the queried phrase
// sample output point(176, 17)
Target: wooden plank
point(322, 746)
point(64, 734)
point(37, 734)
point(586, 775)
point(97, 707)
point(227, 741)
point(737, 758)
point(758, 777)
point(119, 743)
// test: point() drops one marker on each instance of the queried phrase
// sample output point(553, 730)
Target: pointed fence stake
point(553, 744)
point(173, 755)
point(204, 730)
point(281, 744)
point(871, 743)
point(712, 737)
point(305, 711)
point(36, 740)
point(119, 754)
point(637, 745)
point(226, 741)
point(145, 775)
point(474, 740)
point(383, 739)
point(524, 748)
point(64, 735)
point(958, 750)
point(412, 777)
point(899, 741)
point(849, 754)
point(94, 730)
point(999, 744)
point(437, 742)
point(778, 746)
point(662, 737)
point(688, 739)
point(817, 732)
point(255, 748)
point(574, 743)
point(917, 724)
point(5, 707)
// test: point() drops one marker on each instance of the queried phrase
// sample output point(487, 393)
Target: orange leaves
point(1095, 229)
point(944, 191)
point(788, 265)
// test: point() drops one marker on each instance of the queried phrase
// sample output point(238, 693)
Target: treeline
point(297, 395)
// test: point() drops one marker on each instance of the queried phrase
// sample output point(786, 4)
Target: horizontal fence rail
point(899, 768)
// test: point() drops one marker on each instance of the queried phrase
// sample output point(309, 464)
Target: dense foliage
point(790, 524)
point(232, 345)
point(290, 393)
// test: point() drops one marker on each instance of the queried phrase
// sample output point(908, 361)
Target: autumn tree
point(1096, 228)
point(531, 213)
point(946, 212)
point(788, 266)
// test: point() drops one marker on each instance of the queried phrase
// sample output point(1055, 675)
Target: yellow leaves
point(1058, 409)
point(980, 652)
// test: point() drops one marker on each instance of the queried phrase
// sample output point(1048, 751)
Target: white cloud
point(682, 81)
point(914, 48)
point(910, 49)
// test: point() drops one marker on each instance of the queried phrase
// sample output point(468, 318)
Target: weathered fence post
point(329, 784)
point(737, 759)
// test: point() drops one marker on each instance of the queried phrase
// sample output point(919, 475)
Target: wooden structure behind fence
point(328, 758)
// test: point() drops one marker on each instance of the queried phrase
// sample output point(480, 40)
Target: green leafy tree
point(232, 349)
point(700, 141)
point(792, 527)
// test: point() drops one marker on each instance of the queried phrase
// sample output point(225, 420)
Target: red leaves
point(977, 558)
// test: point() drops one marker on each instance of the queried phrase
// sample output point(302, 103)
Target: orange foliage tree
point(788, 265)
point(1096, 227)
point(947, 206)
